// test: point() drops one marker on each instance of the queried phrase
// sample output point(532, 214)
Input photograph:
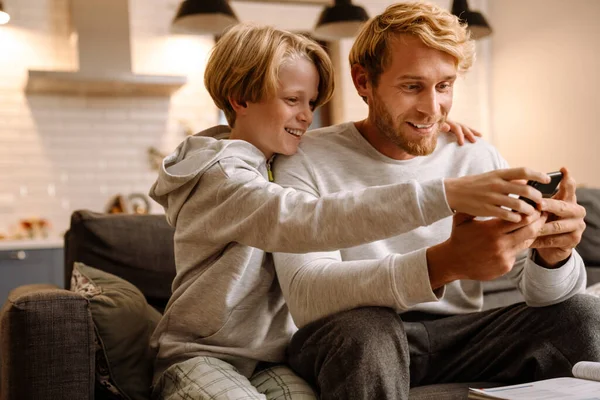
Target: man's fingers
point(563, 209)
point(526, 220)
point(567, 188)
point(564, 241)
point(561, 226)
point(521, 237)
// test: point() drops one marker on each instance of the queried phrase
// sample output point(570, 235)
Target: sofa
point(56, 343)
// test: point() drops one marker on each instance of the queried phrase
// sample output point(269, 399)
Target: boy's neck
point(238, 134)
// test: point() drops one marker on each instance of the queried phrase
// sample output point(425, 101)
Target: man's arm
point(319, 284)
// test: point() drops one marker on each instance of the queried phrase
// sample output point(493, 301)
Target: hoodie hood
point(181, 170)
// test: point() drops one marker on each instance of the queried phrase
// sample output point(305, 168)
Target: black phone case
point(547, 189)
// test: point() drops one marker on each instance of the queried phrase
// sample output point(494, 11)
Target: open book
point(585, 386)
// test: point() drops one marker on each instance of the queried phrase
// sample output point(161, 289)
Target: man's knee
point(581, 312)
point(365, 337)
point(349, 351)
point(581, 308)
point(575, 325)
point(367, 326)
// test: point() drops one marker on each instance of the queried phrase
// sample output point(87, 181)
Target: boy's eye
point(292, 99)
point(313, 105)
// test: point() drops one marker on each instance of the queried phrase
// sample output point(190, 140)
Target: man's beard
point(385, 124)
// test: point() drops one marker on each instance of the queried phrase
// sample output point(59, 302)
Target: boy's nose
point(306, 116)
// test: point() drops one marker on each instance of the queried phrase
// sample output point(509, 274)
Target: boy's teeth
point(295, 132)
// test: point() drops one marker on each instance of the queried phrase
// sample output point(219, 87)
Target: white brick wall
point(61, 153)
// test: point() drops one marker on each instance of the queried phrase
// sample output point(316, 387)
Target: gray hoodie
point(226, 300)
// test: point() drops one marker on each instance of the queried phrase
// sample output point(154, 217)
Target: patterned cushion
point(124, 322)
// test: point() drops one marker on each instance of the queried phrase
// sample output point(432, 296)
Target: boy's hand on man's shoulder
point(461, 131)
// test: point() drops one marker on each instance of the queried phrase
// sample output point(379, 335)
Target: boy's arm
point(233, 203)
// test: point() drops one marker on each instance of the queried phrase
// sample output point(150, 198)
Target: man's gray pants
point(374, 353)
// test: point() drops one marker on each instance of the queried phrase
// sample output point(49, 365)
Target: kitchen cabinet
point(26, 262)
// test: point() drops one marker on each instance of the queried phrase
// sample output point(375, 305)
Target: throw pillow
point(124, 322)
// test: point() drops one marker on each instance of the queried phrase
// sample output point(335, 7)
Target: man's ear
point(238, 106)
point(360, 78)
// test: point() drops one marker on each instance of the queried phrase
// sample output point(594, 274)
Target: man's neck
point(380, 142)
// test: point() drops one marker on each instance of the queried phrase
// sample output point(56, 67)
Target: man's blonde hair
point(436, 27)
point(244, 65)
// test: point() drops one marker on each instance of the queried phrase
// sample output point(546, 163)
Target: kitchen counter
point(32, 244)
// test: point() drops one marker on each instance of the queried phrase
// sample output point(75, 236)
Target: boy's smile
point(276, 125)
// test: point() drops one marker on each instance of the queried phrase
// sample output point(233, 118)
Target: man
point(379, 318)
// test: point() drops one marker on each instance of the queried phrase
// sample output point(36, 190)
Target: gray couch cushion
point(589, 247)
point(137, 248)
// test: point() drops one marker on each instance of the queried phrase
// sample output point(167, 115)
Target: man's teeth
point(421, 126)
point(295, 132)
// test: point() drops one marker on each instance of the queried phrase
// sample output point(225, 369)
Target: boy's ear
point(238, 105)
point(360, 78)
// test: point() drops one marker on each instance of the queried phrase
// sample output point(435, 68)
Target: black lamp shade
point(204, 17)
point(475, 21)
point(341, 20)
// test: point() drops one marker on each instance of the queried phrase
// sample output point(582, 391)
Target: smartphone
point(547, 189)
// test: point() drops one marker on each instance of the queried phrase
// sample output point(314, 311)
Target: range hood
point(104, 52)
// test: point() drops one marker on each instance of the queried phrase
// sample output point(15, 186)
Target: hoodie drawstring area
point(269, 171)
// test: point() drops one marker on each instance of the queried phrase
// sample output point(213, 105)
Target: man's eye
point(410, 87)
point(444, 86)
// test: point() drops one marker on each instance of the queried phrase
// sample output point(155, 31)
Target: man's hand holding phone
point(564, 226)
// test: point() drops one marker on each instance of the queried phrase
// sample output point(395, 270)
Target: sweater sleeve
point(316, 285)
point(235, 203)
point(546, 286)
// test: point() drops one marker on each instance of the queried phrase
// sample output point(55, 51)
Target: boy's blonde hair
point(245, 62)
point(436, 27)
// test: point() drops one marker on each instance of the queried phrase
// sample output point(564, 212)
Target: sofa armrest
point(46, 345)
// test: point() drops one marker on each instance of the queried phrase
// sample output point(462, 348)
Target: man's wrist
point(538, 259)
point(438, 266)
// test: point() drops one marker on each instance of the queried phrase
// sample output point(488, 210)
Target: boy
point(227, 318)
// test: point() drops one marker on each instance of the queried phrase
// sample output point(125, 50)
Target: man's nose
point(429, 102)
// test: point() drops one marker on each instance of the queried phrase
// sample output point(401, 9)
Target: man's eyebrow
point(421, 78)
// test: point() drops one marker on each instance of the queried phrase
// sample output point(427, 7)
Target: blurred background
point(93, 93)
